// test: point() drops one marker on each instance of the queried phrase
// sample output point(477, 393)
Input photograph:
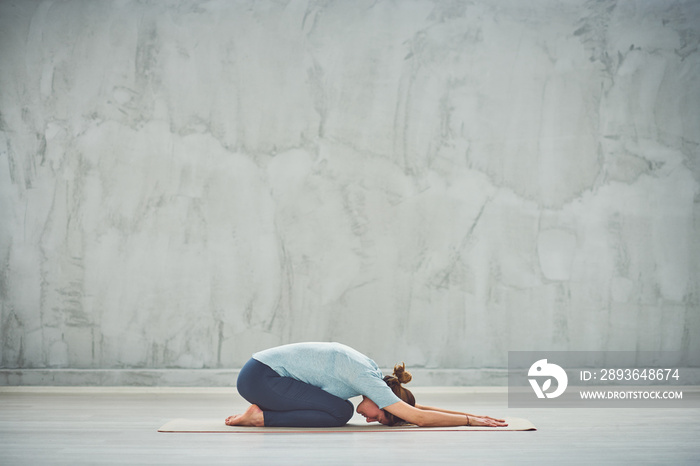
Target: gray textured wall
point(183, 183)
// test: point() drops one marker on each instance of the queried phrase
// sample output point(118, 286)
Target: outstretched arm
point(430, 408)
point(431, 417)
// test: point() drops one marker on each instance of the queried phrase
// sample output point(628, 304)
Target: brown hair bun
point(401, 374)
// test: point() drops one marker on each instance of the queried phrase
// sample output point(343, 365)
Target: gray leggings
point(287, 402)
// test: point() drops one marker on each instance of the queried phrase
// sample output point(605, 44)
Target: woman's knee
point(345, 413)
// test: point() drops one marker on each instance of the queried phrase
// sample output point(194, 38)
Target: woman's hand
point(485, 417)
point(485, 421)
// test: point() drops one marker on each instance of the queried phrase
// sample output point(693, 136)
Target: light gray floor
point(118, 426)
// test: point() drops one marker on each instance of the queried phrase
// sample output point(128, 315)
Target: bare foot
point(253, 417)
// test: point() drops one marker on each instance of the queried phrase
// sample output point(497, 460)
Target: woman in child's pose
point(309, 384)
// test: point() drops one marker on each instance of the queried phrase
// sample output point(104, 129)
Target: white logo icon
point(542, 369)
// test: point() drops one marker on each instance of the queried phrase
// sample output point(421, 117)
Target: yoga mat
point(217, 425)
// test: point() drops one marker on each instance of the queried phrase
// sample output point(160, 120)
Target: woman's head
point(395, 381)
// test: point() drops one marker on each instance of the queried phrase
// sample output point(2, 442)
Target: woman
point(309, 384)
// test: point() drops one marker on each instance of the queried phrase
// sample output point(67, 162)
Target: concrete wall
point(183, 183)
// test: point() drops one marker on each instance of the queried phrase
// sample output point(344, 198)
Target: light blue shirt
point(333, 367)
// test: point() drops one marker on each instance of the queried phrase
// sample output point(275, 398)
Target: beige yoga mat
point(217, 425)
